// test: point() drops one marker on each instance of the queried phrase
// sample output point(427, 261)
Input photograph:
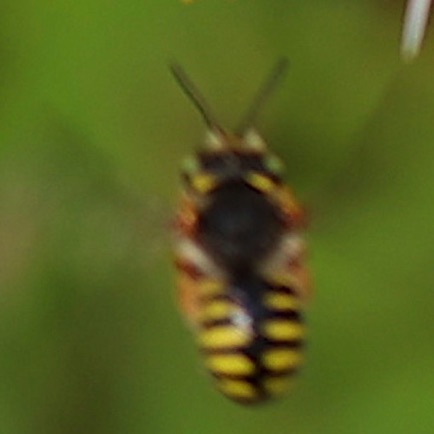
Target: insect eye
point(254, 141)
point(274, 164)
point(215, 140)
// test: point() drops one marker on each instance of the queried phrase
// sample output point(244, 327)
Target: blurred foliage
point(92, 131)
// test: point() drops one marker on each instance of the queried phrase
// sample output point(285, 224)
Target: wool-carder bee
point(240, 255)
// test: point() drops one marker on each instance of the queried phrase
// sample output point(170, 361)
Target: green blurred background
point(92, 132)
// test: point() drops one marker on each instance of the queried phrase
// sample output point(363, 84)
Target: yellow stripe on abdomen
point(224, 336)
point(241, 390)
point(230, 364)
point(281, 301)
point(218, 309)
point(283, 330)
point(281, 359)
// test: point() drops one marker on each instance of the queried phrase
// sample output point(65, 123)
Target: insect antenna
point(195, 96)
point(263, 95)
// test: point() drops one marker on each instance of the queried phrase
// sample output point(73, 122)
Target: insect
point(240, 255)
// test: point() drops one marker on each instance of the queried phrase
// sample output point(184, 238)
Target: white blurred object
point(415, 21)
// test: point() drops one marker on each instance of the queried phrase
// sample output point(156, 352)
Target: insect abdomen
point(252, 346)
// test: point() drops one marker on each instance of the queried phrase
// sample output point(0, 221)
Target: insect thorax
point(237, 223)
point(239, 226)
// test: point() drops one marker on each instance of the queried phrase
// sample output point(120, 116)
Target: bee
point(240, 255)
